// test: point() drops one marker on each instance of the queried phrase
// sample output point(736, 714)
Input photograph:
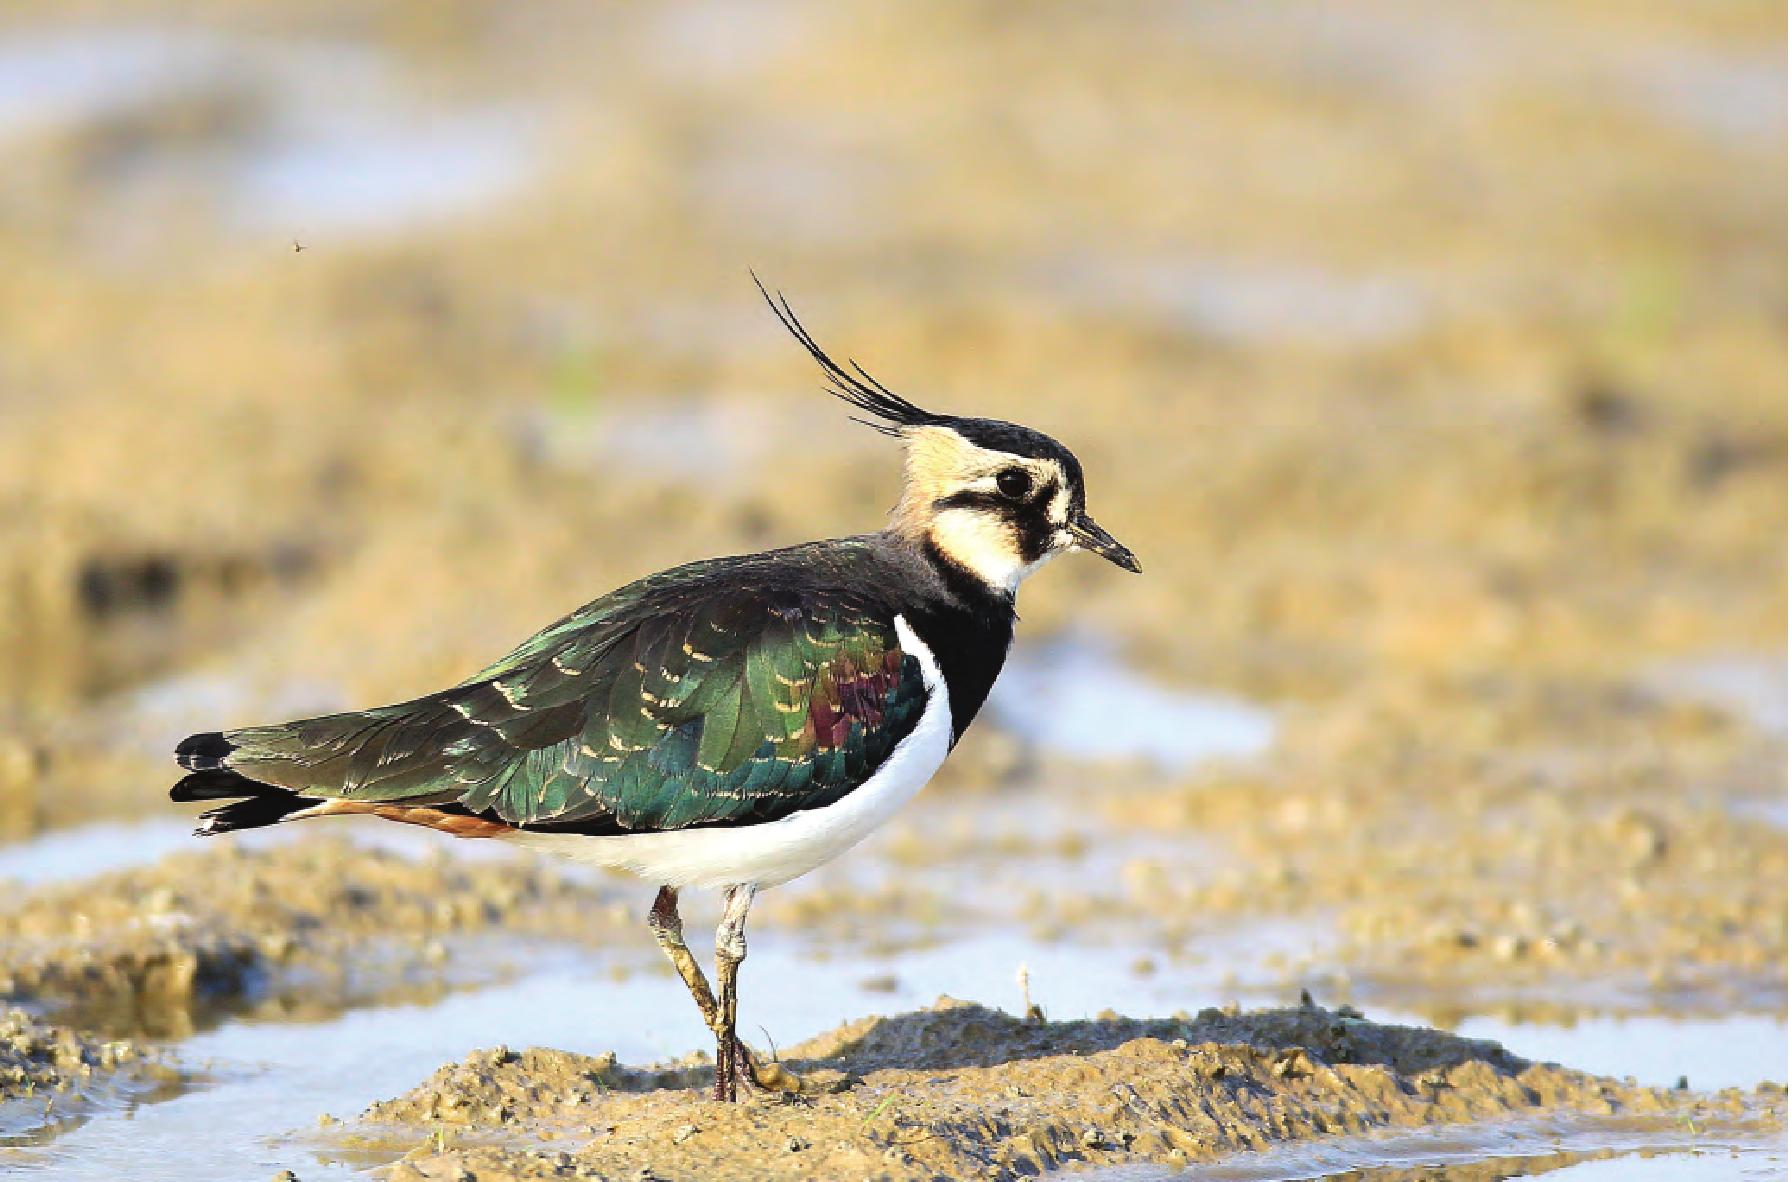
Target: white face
point(985, 547)
point(999, 516)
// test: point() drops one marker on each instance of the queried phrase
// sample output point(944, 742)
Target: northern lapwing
point(732, 723)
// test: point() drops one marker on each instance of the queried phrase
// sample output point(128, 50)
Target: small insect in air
point(732, 723)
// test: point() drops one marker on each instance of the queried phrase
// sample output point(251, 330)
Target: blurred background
point(1432, 357)
point(342, 346)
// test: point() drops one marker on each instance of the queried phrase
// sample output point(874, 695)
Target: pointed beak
point(1086, 535)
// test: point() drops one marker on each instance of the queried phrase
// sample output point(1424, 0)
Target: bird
point(727, 724)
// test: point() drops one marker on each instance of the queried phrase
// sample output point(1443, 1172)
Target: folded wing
point(667, 706)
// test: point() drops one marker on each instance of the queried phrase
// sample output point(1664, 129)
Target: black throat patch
point(968, 630)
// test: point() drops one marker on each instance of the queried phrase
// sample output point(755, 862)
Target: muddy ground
point(1433, 361)
point(959, 1091)
point(52, 1077)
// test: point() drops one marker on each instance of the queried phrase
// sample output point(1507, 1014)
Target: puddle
point(1557, 1149)
point(49, 79)
point(1750, 686)
point(1074, 695)
point(1743, 1163)
point(298, 137)
point(1461, 59)
point(676, 438)
point(1254, 301)
point(371, 176)
point(63, 855)
point(1738, 1051)
point(1768, 812)
point(272, 1079)
point(668, 439)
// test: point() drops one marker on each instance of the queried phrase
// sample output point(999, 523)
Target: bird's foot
point(770, 1076)
point(742, 1066)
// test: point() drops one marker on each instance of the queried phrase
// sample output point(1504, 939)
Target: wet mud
point(52, 1077)
point(307, 928)
point(962, 1091)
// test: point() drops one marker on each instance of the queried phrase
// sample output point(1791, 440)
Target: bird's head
point(996, 498)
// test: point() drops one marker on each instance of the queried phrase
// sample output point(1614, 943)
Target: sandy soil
point(960, 1091)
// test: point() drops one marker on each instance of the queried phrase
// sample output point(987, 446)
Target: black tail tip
point(204, 751)
point(217, 784)
point(252, 813)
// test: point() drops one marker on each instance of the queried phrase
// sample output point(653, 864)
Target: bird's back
point(732, 691)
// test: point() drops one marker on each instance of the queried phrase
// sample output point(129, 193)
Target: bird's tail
point(254, 803)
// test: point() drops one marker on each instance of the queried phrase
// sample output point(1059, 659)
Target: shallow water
point(63, 855)
point(1524, 1148)
point(1717, 1164)
point(1737, 1050)
point(270, 1080)
point(1253, 302)
point(1076, 696)
point(274, 1078)
point(1751, 686)
point(305, 137)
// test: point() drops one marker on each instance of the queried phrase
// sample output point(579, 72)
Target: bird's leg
point(731, 949)
point(668, 929)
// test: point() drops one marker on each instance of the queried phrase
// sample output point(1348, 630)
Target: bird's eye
point(1013, 483)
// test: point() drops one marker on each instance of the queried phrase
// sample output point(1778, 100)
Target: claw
point(742, 1066)
point(767, 1077)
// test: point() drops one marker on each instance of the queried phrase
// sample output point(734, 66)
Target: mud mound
point(139, 951)
point(50, 1075)
point(962, 1091)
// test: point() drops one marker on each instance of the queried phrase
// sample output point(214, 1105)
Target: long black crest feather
point(853, 386)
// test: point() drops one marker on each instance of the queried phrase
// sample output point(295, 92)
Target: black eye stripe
point(972, 499)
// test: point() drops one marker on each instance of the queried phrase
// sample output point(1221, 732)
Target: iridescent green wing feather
point(720, 693)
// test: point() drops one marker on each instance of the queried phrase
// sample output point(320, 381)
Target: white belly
point(778, 851)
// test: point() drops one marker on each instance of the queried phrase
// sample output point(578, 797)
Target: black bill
point(1095, 540)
